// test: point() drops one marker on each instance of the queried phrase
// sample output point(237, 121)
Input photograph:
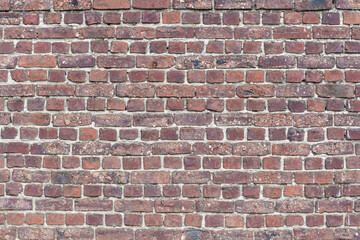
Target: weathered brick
point(90, 148)
point(76, 61)
point(5, 5)
point(28, 233)
point(132, 149)
point(251, 149)
point(150, 177)
point(273, 120)
point(277, 62)
point(135, 33)
point(86, 177)
point(65, 233)
point(175, 91)
point(214, 32)
point(93, 205)
point(254, 206)
point(96, 33)
point(133, 206)
point(294, 149)
point(153, 120)
point(214, 206)
point(175, 32)
point(174, 206)
point(292, 33)
point(19, 32)
point(348, 177)
point(72, 119)
point(154, 62)
point(279, 4)
point(7, 204)
point(8, 62)
point(30, 176)
point(232, 177)
point(8, 232)
point(338, 91)
point(305, 5)
point(151, 4)
point(112, 120)
point(211, 148)
point(333, 148)
point(37, 61)
point(61, 5)
point(5, 118)
point(313, 120)
point(54, 205)
point(191, 177)
point(171, 148)
point(236, 61)
point(295, 206)
point(272, 177)
point(52, 148)
point(135, 90)
point(17, 90)
point(215, 91)
point(110, 4)
point(193, 119)
point(253, 33)
point(295, 91)
point(58, 33)
point(55, 90)
point(233, 119)
point(347, 4)
point(331, 32)
point(316, 62)
point(313, 177)
point(255, 91)
point(192, 4)
point(235, 4)
point(353, 134)
point(348, 62)
point(93, 90)
point(334, 206)
point(39, 119)
point(110, 233)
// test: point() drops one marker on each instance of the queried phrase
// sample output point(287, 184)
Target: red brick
point(151, 4)
point(331, 32)
point(347, 4)
point(292, 33)
point(5, 5)
point(110, 4)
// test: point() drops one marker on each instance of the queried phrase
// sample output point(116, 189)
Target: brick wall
point(179, 119)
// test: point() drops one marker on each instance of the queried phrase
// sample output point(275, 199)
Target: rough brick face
point(179, 119)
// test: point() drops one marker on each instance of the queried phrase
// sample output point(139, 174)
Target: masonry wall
point(179, 119)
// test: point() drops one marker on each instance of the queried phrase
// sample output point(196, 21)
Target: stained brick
point(304, 5)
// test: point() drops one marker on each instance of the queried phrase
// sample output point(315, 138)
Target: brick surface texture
point(180, 119)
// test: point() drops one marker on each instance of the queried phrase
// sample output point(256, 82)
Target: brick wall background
point(179, 119)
